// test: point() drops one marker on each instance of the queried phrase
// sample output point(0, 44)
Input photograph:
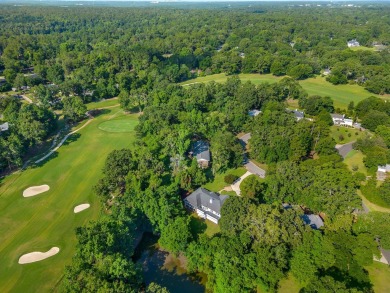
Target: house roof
point(298, 114)
point(203, 197)
point(314, 221)
point(386, 167)
point(201, 150)
point(337, 116)
point(254, 112)
point(4, 126)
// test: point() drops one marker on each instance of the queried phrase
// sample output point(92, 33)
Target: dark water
point(152, 261)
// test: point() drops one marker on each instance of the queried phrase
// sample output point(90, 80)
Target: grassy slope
point(103, 103)
point(341, 94)
point(219, 180)
point(335, 132)
point(380, 276)
point(46, 220)
point(355, 158)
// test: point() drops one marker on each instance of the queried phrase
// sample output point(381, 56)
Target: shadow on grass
point(197, 226)
point(71, 138)
point(98, 112)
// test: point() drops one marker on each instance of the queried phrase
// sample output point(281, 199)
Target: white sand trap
point(34, 190)
point(38, 256)
point(81, 207)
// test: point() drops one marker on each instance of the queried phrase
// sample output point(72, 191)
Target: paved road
point(254, 169)
point(344, 149)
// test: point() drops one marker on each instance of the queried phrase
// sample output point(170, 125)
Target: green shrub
point(230, 178)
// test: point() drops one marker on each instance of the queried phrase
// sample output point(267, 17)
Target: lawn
point(379, 276)
point(41, 222)
point(103, 103)
point(355, 159)
point(289, 285)
point(341, 94)
point(218, 182)
point(118, 125)
point(343, 135)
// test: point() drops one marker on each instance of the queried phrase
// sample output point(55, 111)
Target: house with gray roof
point(298, 114)
point(4, 126)
point(254, 113)
point(353, 43)
point(201, 150)
point(314, 221)
point(207, 204)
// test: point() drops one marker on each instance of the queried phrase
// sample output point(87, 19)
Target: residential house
point(201, 150)
point(353, 43)
point(254, 113)
point(314, 221)
point(207, 204)
point(381, 174)
point(326, 72)
point(298, 114)
point(4, 126)
point(337, 118)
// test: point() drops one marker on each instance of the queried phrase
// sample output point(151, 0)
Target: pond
point(160, 267)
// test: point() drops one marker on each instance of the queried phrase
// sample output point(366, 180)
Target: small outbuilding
point(4, 126)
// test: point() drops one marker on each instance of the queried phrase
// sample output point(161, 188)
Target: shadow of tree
point(197, 226)
point(72, 138)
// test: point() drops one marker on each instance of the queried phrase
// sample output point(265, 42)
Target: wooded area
point(65, 57)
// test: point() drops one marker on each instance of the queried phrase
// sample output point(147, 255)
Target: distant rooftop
point(315, 221)
point(201, 150)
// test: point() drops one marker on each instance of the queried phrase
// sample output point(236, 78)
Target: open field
point(41, 222)
point(341, 94)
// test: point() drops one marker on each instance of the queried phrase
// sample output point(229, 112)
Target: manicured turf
point(46, 220)
point(343, 135)
point(379, 276)
point(219, 183)
point(118, 125)
point(341, 94)
point(103, 104)
point(355, 158)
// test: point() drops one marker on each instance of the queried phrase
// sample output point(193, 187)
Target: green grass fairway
point(341, 94)
point(118, 125)
point(43, 221)
point(102, 104)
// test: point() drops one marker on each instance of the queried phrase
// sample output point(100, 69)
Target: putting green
point(41, 222)
point(122, 125)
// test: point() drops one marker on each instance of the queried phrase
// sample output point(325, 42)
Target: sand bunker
point(34, 190)
point(38, 256)
point(81, 207)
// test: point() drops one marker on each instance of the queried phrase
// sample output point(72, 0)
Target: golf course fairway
point(41, 222)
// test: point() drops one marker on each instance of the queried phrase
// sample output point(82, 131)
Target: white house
point(338, 119)
point(353, 43)
point(4, 126)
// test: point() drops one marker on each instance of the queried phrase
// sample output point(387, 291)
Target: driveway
point(254, 169)
point(236, 185)
point(344, 149)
